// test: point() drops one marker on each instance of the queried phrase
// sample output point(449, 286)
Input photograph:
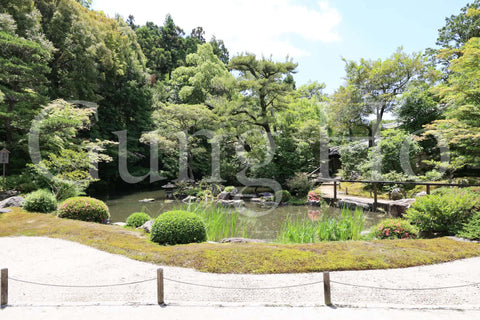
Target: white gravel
point(55, 261)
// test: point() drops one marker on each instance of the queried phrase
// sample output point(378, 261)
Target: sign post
point(4, 157)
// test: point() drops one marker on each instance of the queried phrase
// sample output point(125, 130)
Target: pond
point(264, 226)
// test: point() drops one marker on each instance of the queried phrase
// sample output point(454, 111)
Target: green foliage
point(353, 155)
point(85, 209)
point(286, 196)
point(347, 227)
point(137, 219)
point(178, 227)
point(471, 229)
point(221, 222)
point(395, 229)
point(444, 211)
point(299, 185)
point(229, 188)
point(42, 201)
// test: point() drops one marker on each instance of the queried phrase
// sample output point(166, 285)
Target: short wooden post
point(160, 292)
point(428, 189)
point(326, 288)
point(334, 190)
point(375, 202)
point(4, 288)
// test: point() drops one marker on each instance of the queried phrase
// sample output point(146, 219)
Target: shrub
point(471, 230)
point(40, 201)
point(444, 212)
point(137, 219)
point(299, 185)
point(315, 195)
point(178, 227)
point(229, 189)
point(395, 229)
point(286, 196)
point(85, 209)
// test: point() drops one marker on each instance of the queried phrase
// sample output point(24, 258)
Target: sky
point(316, 34)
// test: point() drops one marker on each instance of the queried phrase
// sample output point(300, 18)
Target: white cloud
point(259, 26)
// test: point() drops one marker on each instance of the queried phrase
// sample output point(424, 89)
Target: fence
point(374, 183)
point(327, 285)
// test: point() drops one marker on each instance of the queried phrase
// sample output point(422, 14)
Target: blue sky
point(316, 34)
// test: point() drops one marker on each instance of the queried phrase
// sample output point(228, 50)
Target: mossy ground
point(241, 258)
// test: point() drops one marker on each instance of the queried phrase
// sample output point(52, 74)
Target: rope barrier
point(81, 286)
point(241, 288)
point(244, 288)
point(404, 289)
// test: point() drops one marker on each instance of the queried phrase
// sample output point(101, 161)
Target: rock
point(121, 224)
point(395, 194)
point(314, 203)
point(352, 204)
point(189, 199)
point(169, 201)
point(398, 208)
point(5, 210)
point(266, 194)
point(241, 240)
point(420, 194)
point(256, 200)
point(224, 195)
point(7, 194)
point(147, 226)
point(12, 202)
point(231, 203)
point(147, 200)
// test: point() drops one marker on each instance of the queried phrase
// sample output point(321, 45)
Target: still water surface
point(263, 226)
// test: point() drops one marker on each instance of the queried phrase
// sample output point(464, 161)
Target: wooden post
point(428, 189)
point(326, 288)
point(160, 292)
point(4, 288)
point(375, 196)
point(334, 190)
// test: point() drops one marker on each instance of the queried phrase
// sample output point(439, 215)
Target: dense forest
point(90, 102)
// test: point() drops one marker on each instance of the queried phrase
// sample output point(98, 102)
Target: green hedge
point(137, 219)
point(42, 201)
point(178, 227)
point(85, 209)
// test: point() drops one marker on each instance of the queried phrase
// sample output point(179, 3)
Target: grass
point(220, 222)
point(241, 258)
point(347, 227)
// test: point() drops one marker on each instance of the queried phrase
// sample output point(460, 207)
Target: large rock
point(224, 195)
point(351, 204)
point(12, 202)
point(147, 226)
point(7, 194)
point(398, 208)
point(241, 240)
point(231, 203)
point(396, 194)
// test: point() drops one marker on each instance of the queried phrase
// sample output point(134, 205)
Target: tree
point(461, 127)
point(203, 76)
point(460, 28)
point(262, 90)
point(381, 82)
point(23, 66)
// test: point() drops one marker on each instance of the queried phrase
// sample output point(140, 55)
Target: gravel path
point(57, 261)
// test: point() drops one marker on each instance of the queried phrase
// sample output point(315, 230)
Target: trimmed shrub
point(40, 201)
point(178, 227)
point(85, 209)
point(444, 212)
point(395, 229)
point(137, 219)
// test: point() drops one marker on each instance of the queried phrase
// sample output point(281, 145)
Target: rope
point(82, 286)
point(244, 288)
point(404, 289)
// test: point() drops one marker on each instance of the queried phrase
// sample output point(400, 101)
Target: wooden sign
point(4, 155)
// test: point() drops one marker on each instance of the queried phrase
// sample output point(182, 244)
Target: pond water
point(265, 225)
